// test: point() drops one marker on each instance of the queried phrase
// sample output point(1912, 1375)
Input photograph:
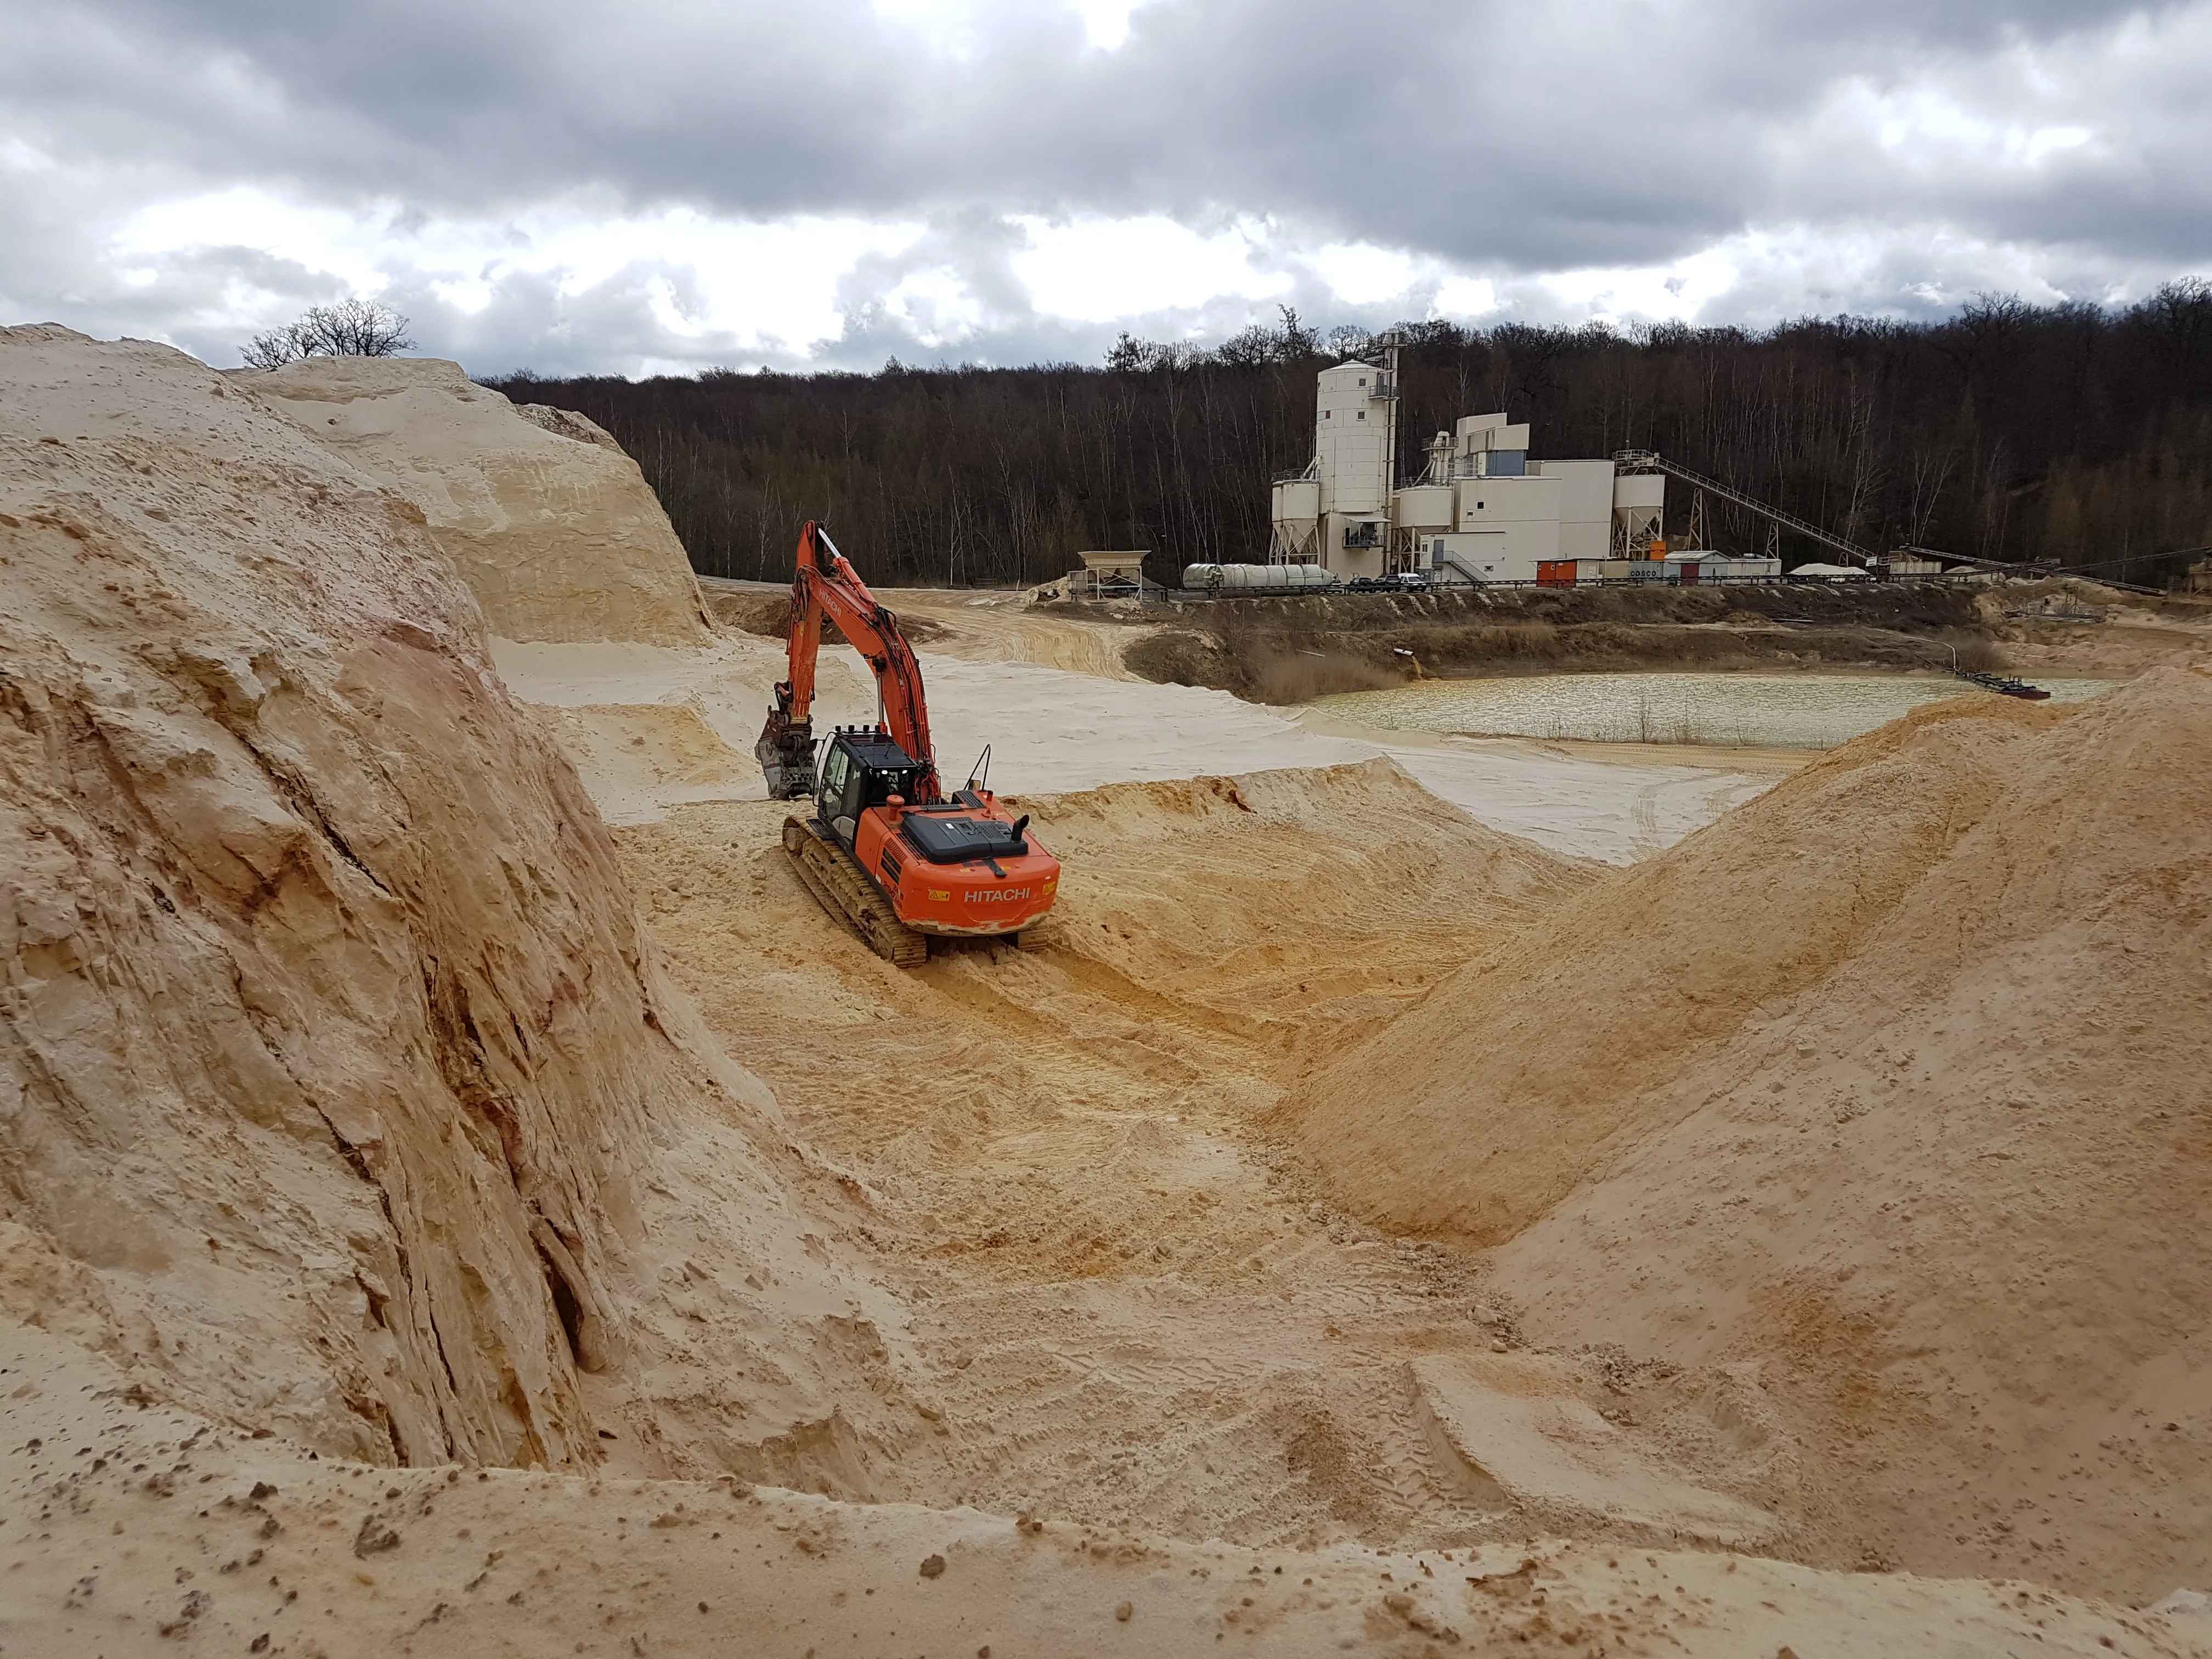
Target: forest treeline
point(2072, 432)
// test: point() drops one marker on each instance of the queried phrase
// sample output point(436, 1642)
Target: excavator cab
point(859, 769)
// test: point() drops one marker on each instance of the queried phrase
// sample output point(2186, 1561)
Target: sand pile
point(351, 1117)
point(1185, 888)
point(344, 1096)
point(1890, 1086)
point(144, 1532)
point(552, 525)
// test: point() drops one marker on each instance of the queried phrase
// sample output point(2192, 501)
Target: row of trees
point(2010, 431)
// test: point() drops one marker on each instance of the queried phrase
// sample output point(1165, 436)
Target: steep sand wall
point(340, 1090)
point(550, 523)
point(1891, 1086)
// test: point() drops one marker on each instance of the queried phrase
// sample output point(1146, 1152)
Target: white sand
point(1055, 731)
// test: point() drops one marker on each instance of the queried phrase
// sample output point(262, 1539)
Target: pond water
point(1764, 711)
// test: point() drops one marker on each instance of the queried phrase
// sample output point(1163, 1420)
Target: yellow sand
point(1891, 1085)
point(361, 1089)
point(550, 524)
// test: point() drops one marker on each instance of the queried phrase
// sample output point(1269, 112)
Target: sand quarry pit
point(458, 1194)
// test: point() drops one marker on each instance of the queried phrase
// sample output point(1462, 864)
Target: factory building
point(1481, 512)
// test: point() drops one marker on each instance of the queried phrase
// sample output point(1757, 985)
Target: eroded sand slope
point(345, 1097)
point(1891, 1084)
point(550, 523)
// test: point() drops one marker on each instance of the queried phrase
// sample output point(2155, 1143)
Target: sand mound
point(1558, 1045)
point(1319, 894)
point(639, 759)
point(274, 1553)
point(343, 1094)
point(1891, 1085)
point(552, 525)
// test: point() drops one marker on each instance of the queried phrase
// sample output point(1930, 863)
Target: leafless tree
point(351, 328)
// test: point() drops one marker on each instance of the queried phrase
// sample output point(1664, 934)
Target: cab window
point(832, 776)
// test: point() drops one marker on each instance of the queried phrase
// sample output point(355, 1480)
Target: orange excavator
point(886, 849)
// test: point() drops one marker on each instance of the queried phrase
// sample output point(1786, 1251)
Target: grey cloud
point(1510, 138)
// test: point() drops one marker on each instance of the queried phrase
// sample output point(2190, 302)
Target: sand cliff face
point(548, 522)
point(337, 1074)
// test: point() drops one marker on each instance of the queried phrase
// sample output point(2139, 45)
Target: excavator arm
point(827, 586)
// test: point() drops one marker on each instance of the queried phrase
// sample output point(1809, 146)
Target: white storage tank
point(1255, 578)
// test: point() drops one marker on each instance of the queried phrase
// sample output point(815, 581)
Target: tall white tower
point(1337, 513)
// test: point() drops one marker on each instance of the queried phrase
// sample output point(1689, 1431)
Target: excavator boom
point(826, 585)
point(885, 849)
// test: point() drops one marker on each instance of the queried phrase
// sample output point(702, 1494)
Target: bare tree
point(351, 328)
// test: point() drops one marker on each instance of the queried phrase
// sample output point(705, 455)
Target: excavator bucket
point(785, 751)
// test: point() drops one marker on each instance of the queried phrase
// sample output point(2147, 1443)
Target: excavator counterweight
point(883, 848)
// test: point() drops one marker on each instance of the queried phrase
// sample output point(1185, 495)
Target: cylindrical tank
point(1255, 578)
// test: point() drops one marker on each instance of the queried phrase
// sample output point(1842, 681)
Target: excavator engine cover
point(957, 838)
point(965, 867)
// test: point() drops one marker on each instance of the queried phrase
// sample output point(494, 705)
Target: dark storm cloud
point(1507, 138)
point(1540, 135)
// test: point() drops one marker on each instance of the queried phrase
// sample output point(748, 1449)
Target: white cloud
point(1105, 22)
point(961, 29)
point(1680, 291)
point(938, 306)
point(326, 241)
point(1097, 269)
point(1360, 274)
point(711, 283)
point(1925, 126)
point(1465, 298)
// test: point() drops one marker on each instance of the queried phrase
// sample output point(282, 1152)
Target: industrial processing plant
point(1481, 512)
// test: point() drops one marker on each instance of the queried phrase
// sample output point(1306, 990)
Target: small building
point(1694, 569)
point(1906, 566)
point(1109, 575)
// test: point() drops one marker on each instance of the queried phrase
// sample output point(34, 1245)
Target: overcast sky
point(668, 185)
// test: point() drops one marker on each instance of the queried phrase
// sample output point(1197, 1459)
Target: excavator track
point(835, 879)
